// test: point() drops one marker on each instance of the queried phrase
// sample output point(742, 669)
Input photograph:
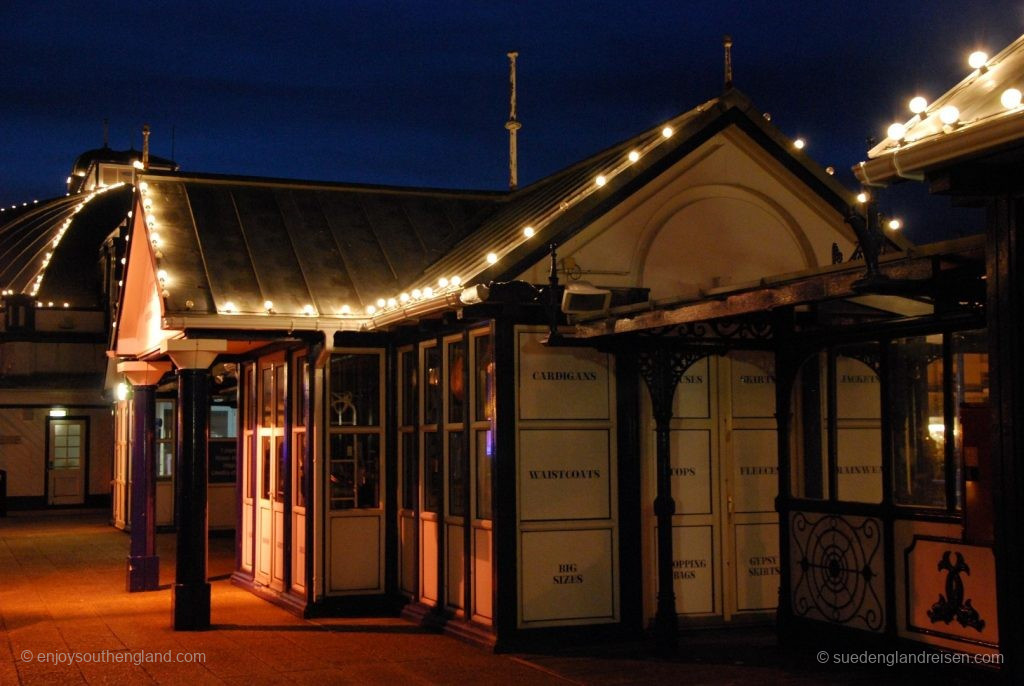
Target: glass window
point(355, 390)
point(300, 469)
point(250, 397)
point(355, 469)
point(456, 382)
point(164, 430)
point(484, 465)
point(808, 439)
point(432, 476)
point(858, 426)
point(280, 384)
point(302, 386)
point(919, 421)
point(456, 475)
point(484, 378)
point(223, 421)
point(265, 473)
point(972, 433)
point(410, 400)
point(432, 387)
point(410, 469)
point(267, 396)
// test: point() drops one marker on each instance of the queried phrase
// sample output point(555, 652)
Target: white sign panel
point(756, 466)
point(561, 383)
point(564, 474)
point(859, 465)
point(693, 569)
point(567, 576)
point(692, 392)
point(690, 465)
point(753, 385)
point(757, 566)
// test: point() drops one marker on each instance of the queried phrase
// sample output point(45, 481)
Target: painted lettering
point(684, 471)
point(696, 563)
point(858, 378)
point(758, 471)
point(756, 378)
point(565, 473)
point(859, 469)
point(692, 378)
point(564, 376)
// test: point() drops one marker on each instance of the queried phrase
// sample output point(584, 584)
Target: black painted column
point(661, 369)
point(191, 600)
point(191, 590)
point(1005, 315)
point(143, 568)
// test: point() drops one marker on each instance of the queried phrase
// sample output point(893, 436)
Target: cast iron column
point(661, 369)
point(191, 590)
point(191, 600)
point(143, 572)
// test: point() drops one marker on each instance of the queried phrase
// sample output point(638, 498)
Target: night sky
point(415, 93)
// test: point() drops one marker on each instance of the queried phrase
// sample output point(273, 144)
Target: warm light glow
point(307, 309)
point(381, 302)
point(428, 292)
point(268, 305)
point(799, 144)
point(896, 131)
point(1010, 98)
point(137, 164)
point(392, 302)
point(161, 275)
point(58, 412)
point(143, 186)
point(417, 294)
point(122, 391)
point(67, 305)
point(918, 104)
point(403, 298)
point(345, 309)
point(155, 239)
point(492, 258)
point(895, 224)
point(863, 197)
point(600, 180)
point(949, 114)
point(634, 155)
point(528, 232)
point(370, 309)
point(667, 132)
point(456, 280)
point(229, 306)
point(977, 59)
point(442, 282)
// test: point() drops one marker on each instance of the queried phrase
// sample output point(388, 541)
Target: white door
point(66, 461)
point(270, 475)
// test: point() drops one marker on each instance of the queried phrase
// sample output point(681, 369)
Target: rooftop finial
point(512, 124)
point(727, 44)
point(145, 146)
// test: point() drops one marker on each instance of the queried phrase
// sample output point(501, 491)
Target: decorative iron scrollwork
point(952, 605)
point(661, 369)
point(837, 571)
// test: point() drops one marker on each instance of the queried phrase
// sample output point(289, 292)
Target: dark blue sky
point(415, 93)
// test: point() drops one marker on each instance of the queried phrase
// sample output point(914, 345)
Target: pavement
point(65, 618)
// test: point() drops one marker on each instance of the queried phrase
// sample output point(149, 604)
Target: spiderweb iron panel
point(837, 569)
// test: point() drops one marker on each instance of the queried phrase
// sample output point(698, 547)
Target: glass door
point(66, 461)
point(270, 473)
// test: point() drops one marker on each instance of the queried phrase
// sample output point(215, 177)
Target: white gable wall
point(728, 213)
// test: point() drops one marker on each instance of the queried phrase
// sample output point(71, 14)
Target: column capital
point(193, 353)
point(140, 373)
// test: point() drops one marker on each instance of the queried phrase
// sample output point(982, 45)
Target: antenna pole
point(727, 44)
point(512, 125)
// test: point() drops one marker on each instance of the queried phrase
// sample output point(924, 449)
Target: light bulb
point(416, 294)
point(1010, 98)
point(949, 114)
point(161, 275)
point(528, 232)
point(370, 309)
point(667, 132)
point(634, 155)
point(307, 309)
point(895, 224)
point(918, 104)
point(456, 280)
point(600, 180)
point(977, 59)
point(392, 302)
point(799, 144)
point(863, 197)
point(403, 298)
point(491, 258)
point(345, 309)
point(428, 292)
point(268, 305)
point(442, 282)
point(381, 302)
point(896, 131)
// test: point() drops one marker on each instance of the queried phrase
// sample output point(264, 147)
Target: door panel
point(66, 461)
